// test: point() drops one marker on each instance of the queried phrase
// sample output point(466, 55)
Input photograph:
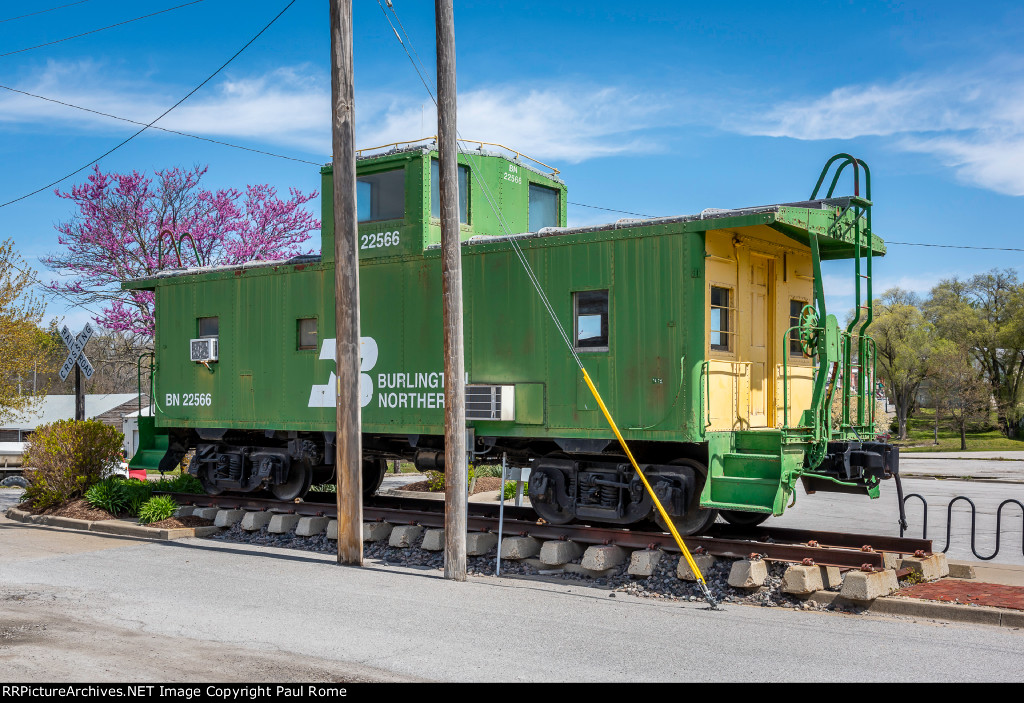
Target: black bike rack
point(974, 516)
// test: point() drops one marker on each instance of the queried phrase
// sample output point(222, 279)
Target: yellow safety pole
point(661, 509)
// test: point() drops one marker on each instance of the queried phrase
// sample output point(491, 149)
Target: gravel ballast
point(663, 584)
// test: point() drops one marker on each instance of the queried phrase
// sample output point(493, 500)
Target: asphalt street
point(77, 606)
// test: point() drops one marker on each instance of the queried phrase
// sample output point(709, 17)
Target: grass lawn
point(921, 437)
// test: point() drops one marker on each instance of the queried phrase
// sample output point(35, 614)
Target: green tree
point(986, 314)
point(22, 342)
point(904, 340)
point(959, 388)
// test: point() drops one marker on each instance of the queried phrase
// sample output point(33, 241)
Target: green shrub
point(487, 471)
point(69, 457)
point(156, 509)
point(509, 491)
point(185, 483)
point(137, 493)
point(435, 480)
point(109, 495)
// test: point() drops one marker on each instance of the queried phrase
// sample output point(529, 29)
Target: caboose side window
point(591, 320)
point(435, 191)
point(721, 333)
point(307, 333)
point(795, 308)
point(209, 326)
point(543, 207)
point(381, 196)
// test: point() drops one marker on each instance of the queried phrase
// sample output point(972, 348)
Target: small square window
point(721, 330)
point(435, 191)
point(544, 209)
point(381, 196)
point(209, 326)
point(591, 320)
point(307, 333)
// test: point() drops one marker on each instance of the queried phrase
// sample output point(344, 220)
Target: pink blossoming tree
point(114, 235)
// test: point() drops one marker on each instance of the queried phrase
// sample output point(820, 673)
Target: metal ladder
point(855, 335)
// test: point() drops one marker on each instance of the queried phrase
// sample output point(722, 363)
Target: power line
point(93, 31)
point(34, 279)
point(39, 12)
point(162, 129)
point(598, 207)
point(953, 246)
point(161, 116)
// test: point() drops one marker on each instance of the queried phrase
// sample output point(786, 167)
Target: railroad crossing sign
point(76, 356)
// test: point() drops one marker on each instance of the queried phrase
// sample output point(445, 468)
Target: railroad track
point(843, 550)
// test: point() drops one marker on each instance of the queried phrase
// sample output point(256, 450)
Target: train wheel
point(742, 518)
point(299, 478)
point(209, 486)
point(373, 474)
point(697, 520)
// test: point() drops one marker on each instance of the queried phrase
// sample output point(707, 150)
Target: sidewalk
point(1004, 466)
point(1004, 455)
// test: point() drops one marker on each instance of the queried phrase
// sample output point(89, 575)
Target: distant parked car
point(121, 468)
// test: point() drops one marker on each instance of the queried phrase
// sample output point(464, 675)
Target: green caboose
point(706, 335)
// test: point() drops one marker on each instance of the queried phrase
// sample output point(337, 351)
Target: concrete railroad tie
point(281, 523)
point(519, 547)
point(704, 562)
point(227, 518)
point(558, 552)
point(643, 562)
point(309, 526)
point(748, 573)
point(251, 522)
point(864, 585)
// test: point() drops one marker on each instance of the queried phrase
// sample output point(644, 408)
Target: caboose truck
point(706, 334)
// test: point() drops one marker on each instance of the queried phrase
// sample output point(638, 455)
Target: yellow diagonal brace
point(657, 503)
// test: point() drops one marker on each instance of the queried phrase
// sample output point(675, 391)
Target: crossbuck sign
point(76, 356)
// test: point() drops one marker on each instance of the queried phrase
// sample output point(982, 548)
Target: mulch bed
point(483, 484)
point(185, 521)
point(77, 509)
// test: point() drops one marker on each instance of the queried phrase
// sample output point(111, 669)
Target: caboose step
point(148, 459)
point(765, 442)
point(152, 446)
point(749, 471)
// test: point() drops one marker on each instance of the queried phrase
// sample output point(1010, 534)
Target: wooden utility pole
point(455, 468)
point(348, 443)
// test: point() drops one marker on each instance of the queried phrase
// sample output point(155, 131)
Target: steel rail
point(832, 549)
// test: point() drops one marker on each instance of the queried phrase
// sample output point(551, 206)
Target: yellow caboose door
point(762, 324)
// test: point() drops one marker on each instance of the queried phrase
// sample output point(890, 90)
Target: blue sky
point(655, 108)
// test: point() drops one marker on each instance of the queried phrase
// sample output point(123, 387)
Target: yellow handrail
point(554, 171)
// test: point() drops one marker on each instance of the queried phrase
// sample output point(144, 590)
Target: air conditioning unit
point(494, 403)
point(203, 350)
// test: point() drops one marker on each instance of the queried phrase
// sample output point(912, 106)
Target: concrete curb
point(953, 612)
point(933, 610)
point(122, 528)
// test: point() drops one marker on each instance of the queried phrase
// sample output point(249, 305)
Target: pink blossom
point(114, 236)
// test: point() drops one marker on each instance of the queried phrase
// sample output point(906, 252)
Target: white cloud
point(567, 123)
point(971, 122)
point(291, 107)
point(991, 161)
point(286, 106)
